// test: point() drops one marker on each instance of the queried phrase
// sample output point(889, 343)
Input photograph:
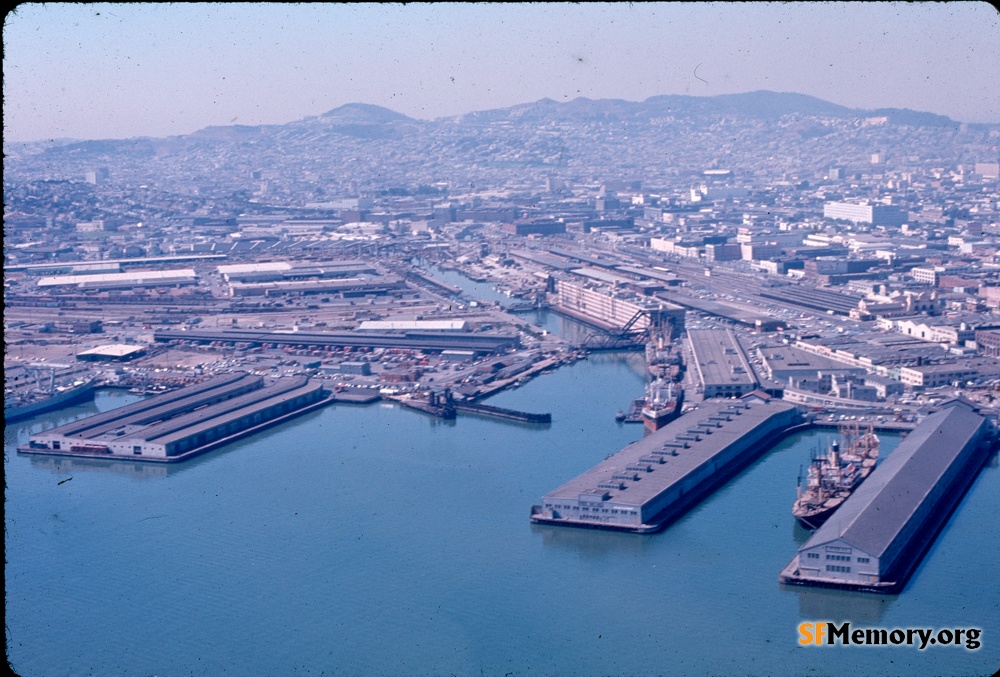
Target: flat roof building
point(118, 352)
point(480, 342)
point(722, 366)
point(782, 362)
point(604, 307)
point(179, 424)
point(351, 286)
point(534, 228)
point(276, 271)
point(875, 214)
point(135, 278)
point(413, 325)
point(653, 480)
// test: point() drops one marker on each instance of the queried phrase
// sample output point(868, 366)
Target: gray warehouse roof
point(416, 340)
point(719, 357)
point(743, 415)
point(99, 423)
point(221, 414)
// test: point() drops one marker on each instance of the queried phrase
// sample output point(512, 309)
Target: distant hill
point(357, 144)
point(766, 104)
point(913, 118)
point(229, 132)
point(760, 104)
point(364, 121)
point(364, 113)
point(367, 121)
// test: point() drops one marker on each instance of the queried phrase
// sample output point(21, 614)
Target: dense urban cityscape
point(780, 263)
point(853, 253)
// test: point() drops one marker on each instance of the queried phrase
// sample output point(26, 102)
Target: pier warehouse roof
point(176, 425)
point(135, 278)
point(876, 536)
point(151, 409)
point(118, 352)
point(722, 366)
point(655, 479)
point(480, 342)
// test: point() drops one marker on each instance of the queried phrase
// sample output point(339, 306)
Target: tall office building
point(98, 176)
point(864, 212)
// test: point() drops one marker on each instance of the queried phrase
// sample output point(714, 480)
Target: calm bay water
point(483, 291)
point(377, 541)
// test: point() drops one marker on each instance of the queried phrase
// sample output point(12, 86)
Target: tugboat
point(832, 478)
point(662, 404)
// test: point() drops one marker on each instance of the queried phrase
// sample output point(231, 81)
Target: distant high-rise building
point(874, 214)
point(97, 176)
point(90, 226)
point(988, 170)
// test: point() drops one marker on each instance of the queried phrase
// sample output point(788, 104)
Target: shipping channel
point(372, 540)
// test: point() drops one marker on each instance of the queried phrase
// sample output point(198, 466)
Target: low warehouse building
point(118, 352)
point(721, 364)
point(131, 279)
point(180, 424)
point(653, 480)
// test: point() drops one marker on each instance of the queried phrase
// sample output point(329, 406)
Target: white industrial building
point(413, 325)
point(134, 278)
point(864, 212)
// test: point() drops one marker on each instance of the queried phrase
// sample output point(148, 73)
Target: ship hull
point(75, 395)
point(814, 519)
point(654, 419)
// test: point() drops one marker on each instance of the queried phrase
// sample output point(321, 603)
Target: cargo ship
point(833, 477)
point(19, 405)
point(663, 404)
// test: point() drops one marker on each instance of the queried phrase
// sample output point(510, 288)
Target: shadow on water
point(17, 434)
point(65, 464)
point(861, 608)
point(591, 542)
point(799, 533)
point(142, 469)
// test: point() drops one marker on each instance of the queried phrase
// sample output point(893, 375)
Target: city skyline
point(162, 70)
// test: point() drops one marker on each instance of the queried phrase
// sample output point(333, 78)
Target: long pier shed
point(652, 481)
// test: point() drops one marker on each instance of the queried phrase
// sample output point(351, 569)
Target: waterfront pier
point(653, 481)
point(183, 423)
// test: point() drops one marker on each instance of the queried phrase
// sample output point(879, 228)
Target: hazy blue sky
point(123, 70)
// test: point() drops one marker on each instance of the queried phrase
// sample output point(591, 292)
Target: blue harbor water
point(377, 541)
point(485, 292)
